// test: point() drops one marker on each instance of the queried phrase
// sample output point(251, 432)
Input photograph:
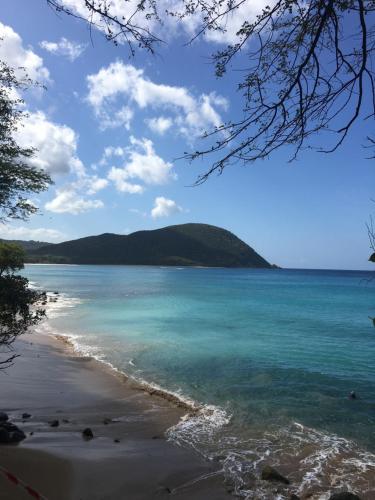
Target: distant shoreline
point(277, 268)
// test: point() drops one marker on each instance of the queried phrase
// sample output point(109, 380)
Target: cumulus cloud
point(191, 114)
point(64, 47)
point(163, 207)
point(117, 8)
point(119, 177)
point(231, 22)
point(73, 198)
point(28, 233)
point(68, 200)
point(169, 27)
point(56, 144)
point(22, 59)
point(146, 165)
point(95, 184)
point(159, 125)
point(141, 164)
point(113, 119)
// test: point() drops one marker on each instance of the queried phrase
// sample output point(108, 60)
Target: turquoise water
point(275, 352)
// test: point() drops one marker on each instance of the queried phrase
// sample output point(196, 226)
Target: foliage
point(20, 306)
point(17, 177)
point(12, 258)
point(28, 245)
point(307, 69)
point(183, 244)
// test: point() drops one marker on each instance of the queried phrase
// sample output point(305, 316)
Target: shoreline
point(312, 467)
point(141, 385)
point(192, 407)
point(129, 455)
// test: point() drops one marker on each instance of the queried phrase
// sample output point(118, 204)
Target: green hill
point(185, 244)
point(28, 246)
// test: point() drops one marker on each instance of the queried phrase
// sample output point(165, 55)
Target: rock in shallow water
point(271, 474)
point(87, 433)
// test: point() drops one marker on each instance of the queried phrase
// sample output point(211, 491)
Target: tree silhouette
point(307, 66)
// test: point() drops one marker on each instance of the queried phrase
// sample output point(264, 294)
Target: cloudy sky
point(110, 129)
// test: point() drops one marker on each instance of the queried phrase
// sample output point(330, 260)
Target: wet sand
point(128, 458)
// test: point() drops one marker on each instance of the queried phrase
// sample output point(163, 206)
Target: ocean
point(268, 357)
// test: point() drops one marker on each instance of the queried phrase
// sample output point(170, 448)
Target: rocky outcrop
point(10, 433)
point(271, 474)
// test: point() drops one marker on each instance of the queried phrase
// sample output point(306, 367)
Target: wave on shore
point(316, 463)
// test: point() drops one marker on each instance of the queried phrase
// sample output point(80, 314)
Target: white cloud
point(64, 47)
point(56, 144)
point(28, 233)
point(141, 164)
point(193, 115)
point(172, 26)
point(233, 21)
point(164, 207)
point(13, 53)
point(146, 165)
point(113, 119)
point(119, 176)
point(95, 184)
point(110, 151)
point(69, 201)
point(117, 8)
point(72, 198)
point(159, 125)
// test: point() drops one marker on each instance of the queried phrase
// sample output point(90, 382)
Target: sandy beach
point(129, 456)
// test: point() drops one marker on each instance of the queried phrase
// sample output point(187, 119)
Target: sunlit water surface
point(272, 354)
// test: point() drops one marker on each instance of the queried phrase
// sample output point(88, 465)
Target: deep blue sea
point(271, 355)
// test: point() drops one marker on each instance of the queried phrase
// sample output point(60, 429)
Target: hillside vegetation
point(185, 244)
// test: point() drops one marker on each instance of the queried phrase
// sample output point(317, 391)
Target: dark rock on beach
point(54, 423)
point(10, 433)
point(344, 495)
point(271, 474)
point(3, 416)
point(87, 433)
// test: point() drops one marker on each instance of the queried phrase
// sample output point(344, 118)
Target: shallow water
point(274, 352)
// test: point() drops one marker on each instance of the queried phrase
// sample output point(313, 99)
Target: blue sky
point(109, 128)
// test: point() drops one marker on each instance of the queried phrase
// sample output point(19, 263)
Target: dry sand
point(50, 382)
